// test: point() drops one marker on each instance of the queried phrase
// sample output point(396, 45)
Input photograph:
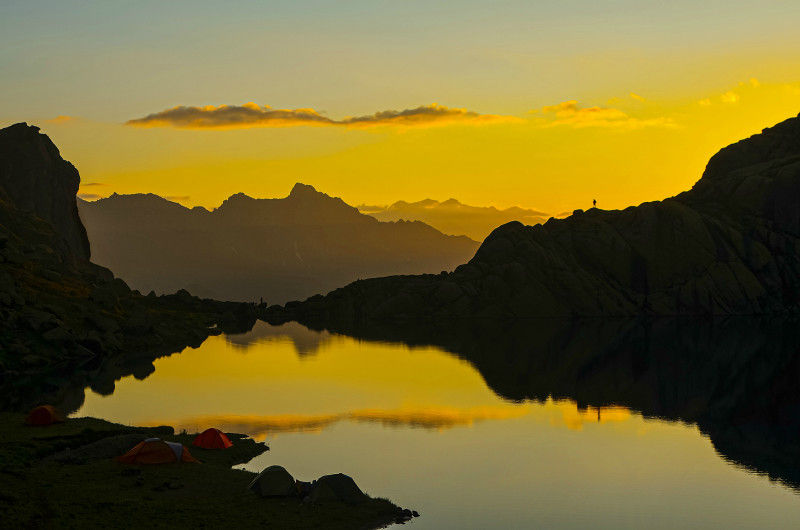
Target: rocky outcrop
point(34, 178)
point(58, 311)
point(730, 245)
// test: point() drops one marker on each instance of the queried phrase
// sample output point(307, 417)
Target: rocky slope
point(730, 245)
point(58, 311)
point(248, 249)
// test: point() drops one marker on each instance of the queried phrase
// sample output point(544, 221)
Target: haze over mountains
point(248, 249)
point(454, 217)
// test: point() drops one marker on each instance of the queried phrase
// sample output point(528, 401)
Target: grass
point(38, 492)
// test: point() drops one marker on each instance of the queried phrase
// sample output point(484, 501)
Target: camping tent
point(43, 415)
point(338, 487)
point(156, 451)
point(274, 481)
point(212, 439)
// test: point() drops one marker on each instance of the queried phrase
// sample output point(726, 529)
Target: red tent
point(156, 451)
point(212, 439)
point(43, 415)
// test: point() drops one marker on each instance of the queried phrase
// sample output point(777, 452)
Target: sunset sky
point(545, 105)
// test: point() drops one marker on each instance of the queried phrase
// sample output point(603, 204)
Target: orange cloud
point(253, 115)
point(61, 119)
point(569, 113)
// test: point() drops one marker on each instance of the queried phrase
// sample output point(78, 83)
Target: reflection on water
point(533, 424)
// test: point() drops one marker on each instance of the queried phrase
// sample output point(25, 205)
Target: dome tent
point(156, 451)
point(43, 415)
point(274, 481)
point(212, 439)
point(338, 487)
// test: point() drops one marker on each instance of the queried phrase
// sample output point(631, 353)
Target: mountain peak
point(773, 143)
point(301, 189)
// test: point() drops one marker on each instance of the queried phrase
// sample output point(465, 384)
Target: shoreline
point(63, 475)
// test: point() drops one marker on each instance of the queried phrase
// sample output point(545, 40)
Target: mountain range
point(454, 217)
point(728, 246)
point(248, 249)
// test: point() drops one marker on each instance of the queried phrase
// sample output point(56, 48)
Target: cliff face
point(36, 179)
point(731, 245)
point(59, 312)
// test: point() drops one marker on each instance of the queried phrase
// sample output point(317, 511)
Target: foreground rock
point(730, 245)
point(58, 311)
point(64, 475)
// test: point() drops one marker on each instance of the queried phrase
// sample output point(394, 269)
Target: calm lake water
point(420, 426)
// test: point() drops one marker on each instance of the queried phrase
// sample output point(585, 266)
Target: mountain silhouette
point(454, 217)
point(730, 245)
point(247, 248)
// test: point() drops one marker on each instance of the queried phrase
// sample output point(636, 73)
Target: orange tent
point(212, 439)
point(43, 415)
point(156, 451)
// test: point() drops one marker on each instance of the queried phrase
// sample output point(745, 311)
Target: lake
point(490, 435)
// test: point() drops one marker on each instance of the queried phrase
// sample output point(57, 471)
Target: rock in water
point(274, 481)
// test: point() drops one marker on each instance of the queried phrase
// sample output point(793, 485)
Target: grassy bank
point(61, 476)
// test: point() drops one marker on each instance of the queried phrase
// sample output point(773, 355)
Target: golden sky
point(546, 106)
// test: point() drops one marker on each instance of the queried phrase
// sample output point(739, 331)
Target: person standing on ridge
point(594, 203)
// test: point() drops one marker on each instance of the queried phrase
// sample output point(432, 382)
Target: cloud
point(89, 196)
point(733, 96)
point(637, 97)
point(61, 119)
point(569, 113)
point(254, 115)
point(91, 184)
point(729, 97)
point(177, 198)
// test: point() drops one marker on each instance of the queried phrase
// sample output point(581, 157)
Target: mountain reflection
point(737, 379)
point(305, 341)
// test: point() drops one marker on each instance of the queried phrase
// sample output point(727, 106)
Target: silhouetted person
point(594, 203)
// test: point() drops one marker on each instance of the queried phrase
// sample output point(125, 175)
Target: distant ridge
point(454, 217)
point(249, 248)
point(730, 245)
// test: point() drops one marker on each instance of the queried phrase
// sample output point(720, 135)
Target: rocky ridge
point(730, 245)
